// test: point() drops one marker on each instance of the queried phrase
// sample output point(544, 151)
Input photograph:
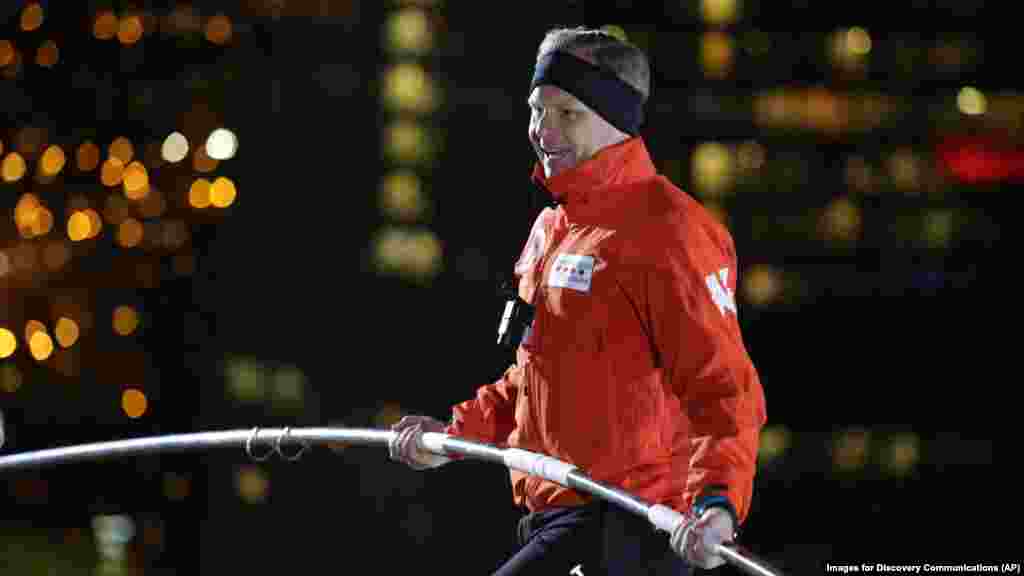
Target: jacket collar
point(592, 183)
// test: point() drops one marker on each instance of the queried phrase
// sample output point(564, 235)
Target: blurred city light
point(408, 30)
point(218, 29)
point(252, 484)
point(8, 343)
point(67, 332)
point(47, 54)
point(175, 147)
point(199, 193)
point(222, 192)
point(762, 284)
point(971, 101)
point(850, 449)
point(716, 54)
point(31, 17)
point(105, 25)
point(719, 12)
point(221, 144)
point(401, 195)
point(134, 403)
point(713, 167)
point(13, 167)
point(40, 345)
point(409, 87)
point(125, 320)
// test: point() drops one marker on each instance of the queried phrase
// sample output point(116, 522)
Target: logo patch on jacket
point(572, 271)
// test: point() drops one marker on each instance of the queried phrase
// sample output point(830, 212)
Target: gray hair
point(603, 49)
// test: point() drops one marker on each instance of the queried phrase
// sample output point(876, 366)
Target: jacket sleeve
point(490, 415)
point(701, 351)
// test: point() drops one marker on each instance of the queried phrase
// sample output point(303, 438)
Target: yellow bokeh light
point(218, 29)
point(409, 30)
point(13, 167)
point(122, 149)
point(48, 54)
point(253, 484)
point(32, 17)
point(112, 172)
point(402, 195)
point(79, 226)
point(105, 26)
point(971, 101)
point(841, 220)
point(95, 222)
point(762, 284)
point(409, 87)
point(126, 320)
point(52, 161)
point(129, 30)
point(718, 12)
point(407, 141)
point(136, 181)
point(416, 254)
point(8, 343)
point(87, 156)
point(775, 441)
point(858, 41)
point(134, 403)
point(129, 233)
point(40, 345)
point(713, 167)
point(66, 331)
point(199, 193)
point(222, 192)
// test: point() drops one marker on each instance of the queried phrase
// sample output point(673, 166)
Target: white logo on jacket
point(572, 271)
point(724, 298)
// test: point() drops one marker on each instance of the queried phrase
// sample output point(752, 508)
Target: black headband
point(600, 89)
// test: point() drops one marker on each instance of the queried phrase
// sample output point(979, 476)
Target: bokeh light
point(126, 320)
point(175, 147)
point(134, 403)
point(222, 192)
point(8, 343)
point(67, 332)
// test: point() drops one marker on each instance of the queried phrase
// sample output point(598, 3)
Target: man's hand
point(696, 538)
point(405, 446)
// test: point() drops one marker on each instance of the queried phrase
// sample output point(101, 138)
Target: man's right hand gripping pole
point(405, 446)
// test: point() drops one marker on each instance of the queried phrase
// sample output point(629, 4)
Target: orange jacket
point(634, 370)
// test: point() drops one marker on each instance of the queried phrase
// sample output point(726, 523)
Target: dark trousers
point(594, 540)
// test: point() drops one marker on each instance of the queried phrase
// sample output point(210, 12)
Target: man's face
point(564, 131)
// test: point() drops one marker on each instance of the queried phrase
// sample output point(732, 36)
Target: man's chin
point(554, 169)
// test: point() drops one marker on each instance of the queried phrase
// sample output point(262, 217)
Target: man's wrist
point(707, 502)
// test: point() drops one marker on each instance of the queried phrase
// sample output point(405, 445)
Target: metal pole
point(260, 444)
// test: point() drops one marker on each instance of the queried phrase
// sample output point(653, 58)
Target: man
point(633, 369)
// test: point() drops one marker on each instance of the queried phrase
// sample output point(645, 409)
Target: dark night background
point(878, 340)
